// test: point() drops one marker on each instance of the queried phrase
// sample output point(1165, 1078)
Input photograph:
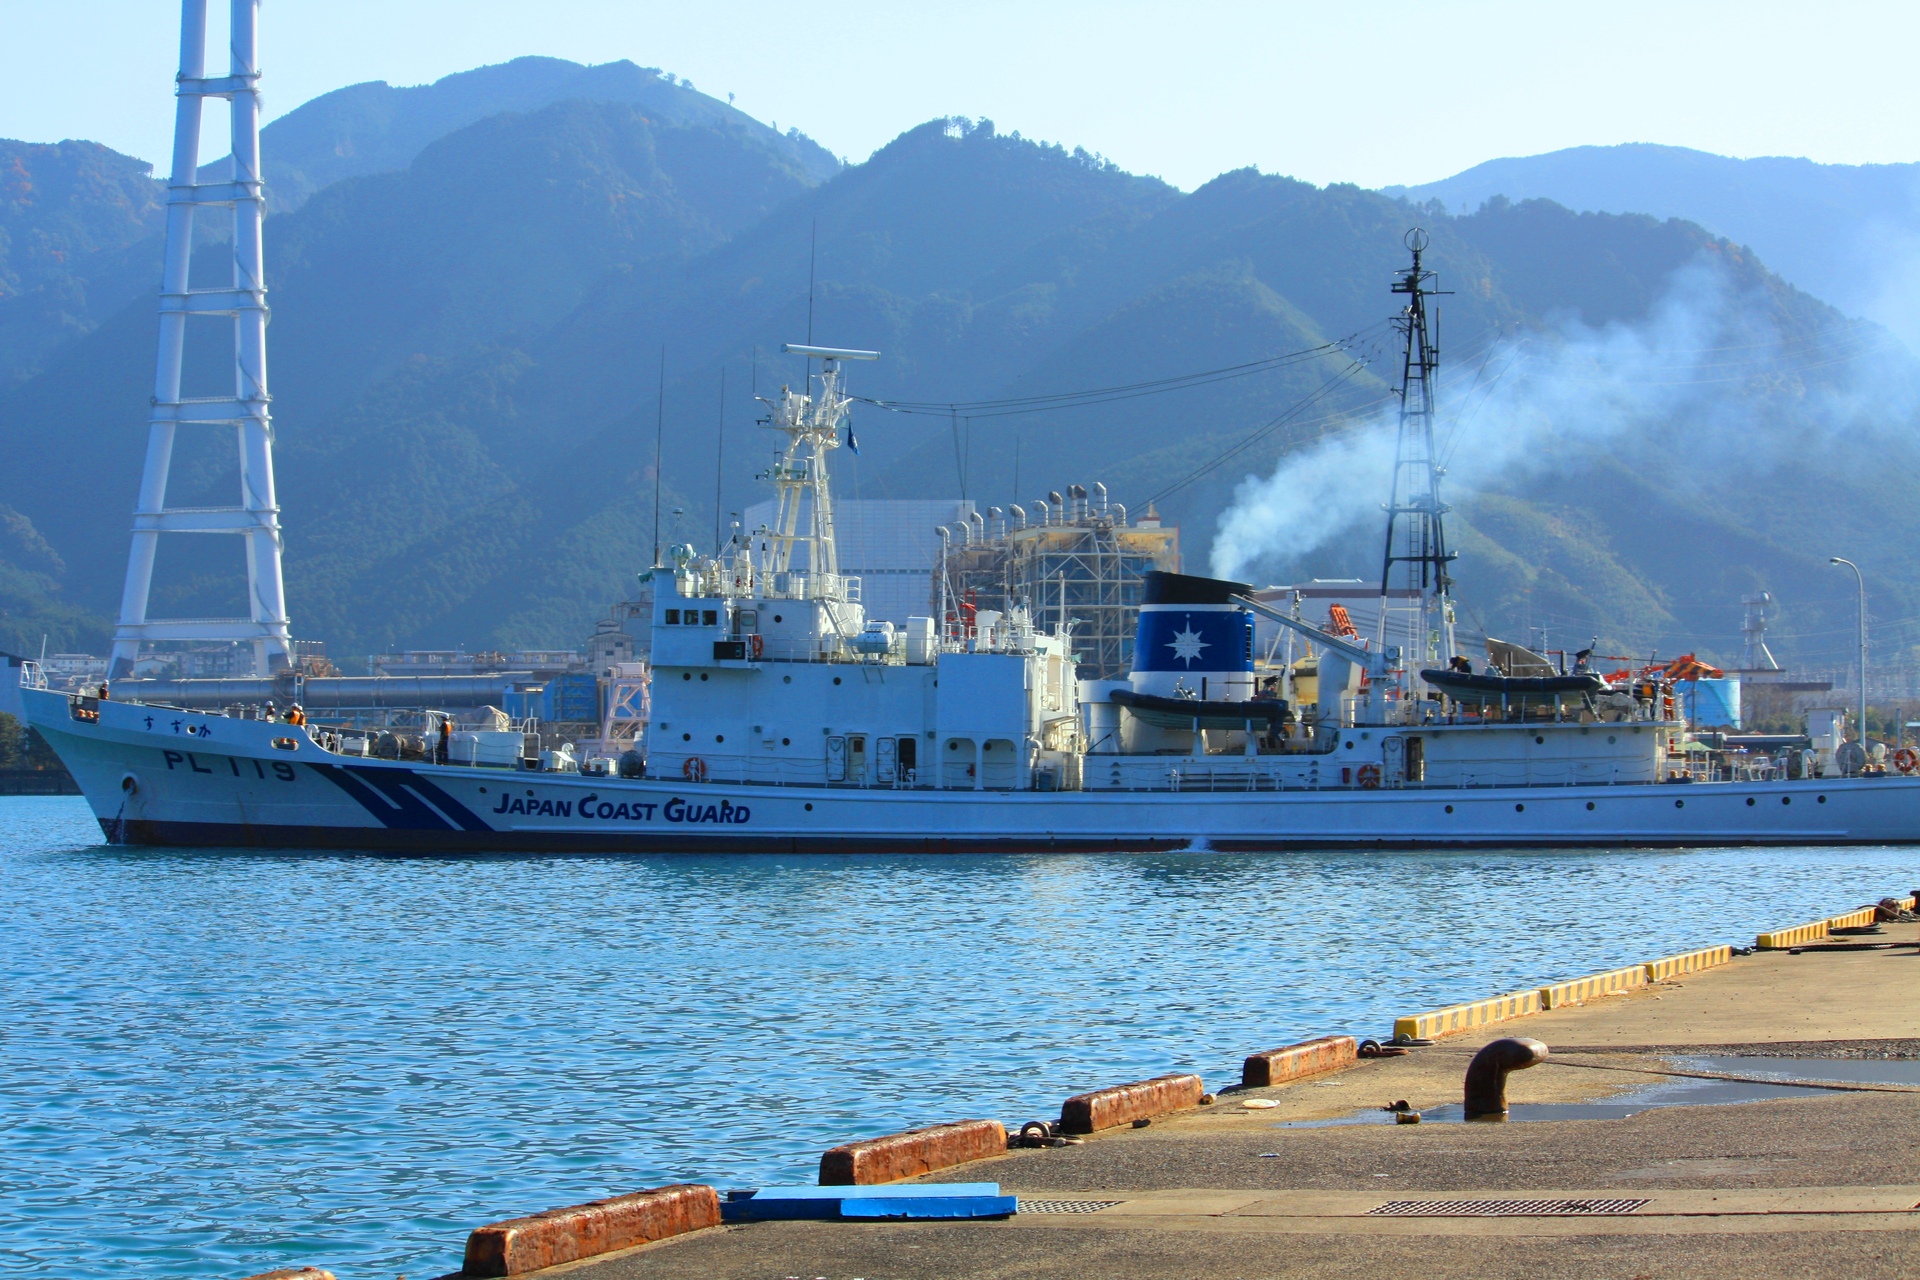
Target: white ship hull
point(165, 777)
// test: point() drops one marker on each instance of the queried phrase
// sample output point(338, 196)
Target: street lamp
point(1862, 730)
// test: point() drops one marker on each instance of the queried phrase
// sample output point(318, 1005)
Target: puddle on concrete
point(1838, 1070)
point(1675, 1092)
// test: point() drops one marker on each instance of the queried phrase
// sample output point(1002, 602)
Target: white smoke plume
point(1696, 378)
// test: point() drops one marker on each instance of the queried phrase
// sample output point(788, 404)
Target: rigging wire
point(1011, 405)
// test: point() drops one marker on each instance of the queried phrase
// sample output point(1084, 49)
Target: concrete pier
point(1814, 1185)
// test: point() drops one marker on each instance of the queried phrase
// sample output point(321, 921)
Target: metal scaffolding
point(1076, 561)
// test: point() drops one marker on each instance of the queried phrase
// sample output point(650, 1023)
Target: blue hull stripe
point(398, 809)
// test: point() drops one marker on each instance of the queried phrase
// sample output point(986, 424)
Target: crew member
point(445, 753)
point(295, 715)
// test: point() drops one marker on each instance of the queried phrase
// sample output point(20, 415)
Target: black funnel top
point(1180, 588)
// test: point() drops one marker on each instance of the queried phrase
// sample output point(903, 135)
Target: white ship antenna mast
point(812, 424)
point(244, 298)
point(1416, 512)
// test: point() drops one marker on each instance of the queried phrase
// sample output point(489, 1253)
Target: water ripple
point(218, 1062)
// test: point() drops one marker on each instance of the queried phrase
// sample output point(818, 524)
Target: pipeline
point(325, 693)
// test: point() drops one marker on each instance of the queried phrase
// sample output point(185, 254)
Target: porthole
point(1822, 799)
point(1786, 799)
point(809, 803)
point(1749, 802)
point(777, 618)
point(1539, 741)
point(1519, 808)
point(483, 791)
point(719, 737)
point(953, 746)
point(786, 679)
point(1612, 739)
point(703, 675)
point(1349, 746)
point(1449, 808)
point(836, 679)
point(1679, 804)
point(686, 675)
point(686, 737)
point(786, 742)
point(1589, 804)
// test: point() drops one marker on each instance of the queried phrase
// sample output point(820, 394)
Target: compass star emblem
point(1186, 645)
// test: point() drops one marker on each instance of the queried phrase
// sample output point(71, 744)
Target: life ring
point(1906, 759)
point(1369, 776)
point(755, 646)
point(694, 769)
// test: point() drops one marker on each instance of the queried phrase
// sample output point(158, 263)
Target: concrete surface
point(1806, 1186)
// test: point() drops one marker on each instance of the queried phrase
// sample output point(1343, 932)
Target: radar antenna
point(1416, 527)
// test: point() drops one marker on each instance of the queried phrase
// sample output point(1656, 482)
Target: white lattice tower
point(244, 298)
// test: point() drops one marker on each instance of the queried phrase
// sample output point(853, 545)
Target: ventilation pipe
point(1059, 505)
point(1041, 514)
point(1079, 494)
point(1120, 515)
point(998, 528)
point(976, 526)
point(1018, 514)
point(1100, 496)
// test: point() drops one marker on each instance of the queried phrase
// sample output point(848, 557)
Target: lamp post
point(1862, 730)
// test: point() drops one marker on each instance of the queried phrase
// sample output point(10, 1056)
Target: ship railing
point(31, 676)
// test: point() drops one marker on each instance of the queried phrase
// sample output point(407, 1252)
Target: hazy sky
point(1391, 91)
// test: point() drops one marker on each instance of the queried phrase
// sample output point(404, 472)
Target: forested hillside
point(1644, 421)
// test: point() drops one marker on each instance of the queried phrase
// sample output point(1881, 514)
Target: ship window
point(1449, 808)
point(1589, 804)
point(1539, 741)
point(686, 675)
point(1749, 802)
point(1823, 799)
point(1611, 739)
point(703, 675)
point(836, 679)
point(777, 618)
point(809, 806)
point(691, 618)
point(719, 737)
point(686, 737)
point(1519, 808)
point(1786, 799)
point(710, 617)
point(786, 742)
point(786, 679)
point(1679, 804)
point(673, 617)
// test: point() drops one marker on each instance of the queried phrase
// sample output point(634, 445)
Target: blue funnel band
point(1200, 640)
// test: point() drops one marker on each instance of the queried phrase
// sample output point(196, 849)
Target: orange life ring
point(694, 769)
point(1906, 759)
point(755, 647)
point(1369, 776)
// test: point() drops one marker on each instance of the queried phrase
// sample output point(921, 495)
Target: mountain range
point(477, 285)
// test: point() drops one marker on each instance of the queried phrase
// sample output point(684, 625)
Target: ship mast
point(1416, 528)
point(812, 424)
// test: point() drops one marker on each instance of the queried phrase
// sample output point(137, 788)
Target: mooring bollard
point(1487, 1074)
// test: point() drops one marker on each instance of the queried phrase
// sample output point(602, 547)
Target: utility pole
point(1861, 730)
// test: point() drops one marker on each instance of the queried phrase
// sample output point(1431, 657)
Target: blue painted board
point(931, 1207)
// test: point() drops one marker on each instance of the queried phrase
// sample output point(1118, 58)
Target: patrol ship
point(784, 721)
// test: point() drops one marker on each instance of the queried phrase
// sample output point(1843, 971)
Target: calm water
point(216, 1062)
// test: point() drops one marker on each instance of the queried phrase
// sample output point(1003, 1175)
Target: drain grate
point(1066, 1206)
point(1501, 1208)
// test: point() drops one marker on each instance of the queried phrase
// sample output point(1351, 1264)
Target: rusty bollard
point(1487, 1075)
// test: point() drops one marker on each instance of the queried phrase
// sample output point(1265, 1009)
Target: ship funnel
point(1194, 639)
